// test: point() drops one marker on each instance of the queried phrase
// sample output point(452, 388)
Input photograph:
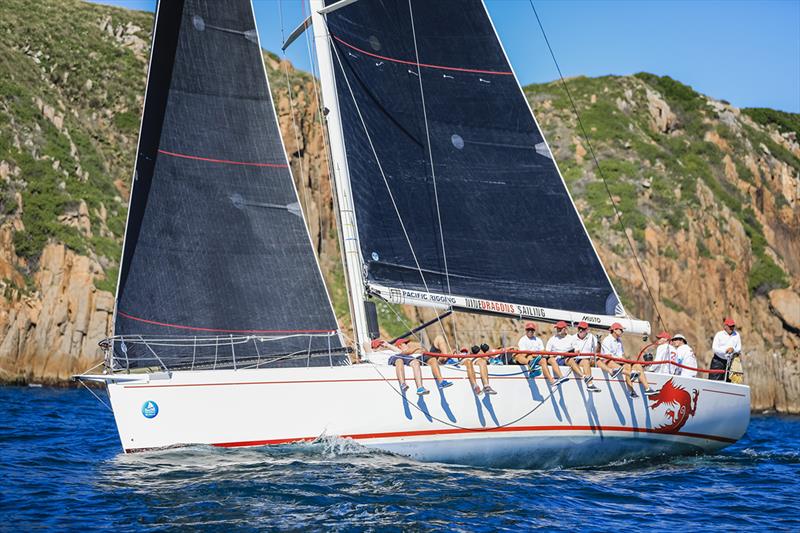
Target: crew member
point(665, 352)
point(483, 367)
point(684, 355)
point(727, 345)
point(612, 345)
point(433, 361)
point(583, 342)
point(399, 359)
point(560, 343)
point(530, 342)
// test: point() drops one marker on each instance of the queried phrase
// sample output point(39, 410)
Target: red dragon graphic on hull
point(674, 395)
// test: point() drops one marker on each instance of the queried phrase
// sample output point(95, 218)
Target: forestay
point(216, 244)
point(483, 211)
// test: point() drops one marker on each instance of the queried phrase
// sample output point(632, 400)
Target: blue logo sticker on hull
point(150, 409)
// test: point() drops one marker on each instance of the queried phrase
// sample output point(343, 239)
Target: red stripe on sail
point(414, 63)
point(217, 330)
point(225, 161)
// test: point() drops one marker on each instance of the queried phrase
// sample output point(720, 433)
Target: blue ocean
point(62, 468)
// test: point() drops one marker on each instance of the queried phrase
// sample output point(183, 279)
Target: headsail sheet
point(509, 230)
point(216, 242)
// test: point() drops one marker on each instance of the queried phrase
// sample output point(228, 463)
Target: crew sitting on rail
point(529, 342)
point(399, 359)
point(612, 346)
point(561, 343)
point(482, 364)
point(727, 344)
point(583, 342)
point(665, 353)
point(684, 355)
point(439, 346)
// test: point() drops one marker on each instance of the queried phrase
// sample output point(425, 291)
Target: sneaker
point(591, 387)
point(634, 394)
point(404, 387)
point(422, 391)
point(477, 390)
point(615, 374)
point(444, 384)
point(535, 361)
point(488, 390)
point(560, 381)
point(634, 376)
point(650, 392)
point(535, 373)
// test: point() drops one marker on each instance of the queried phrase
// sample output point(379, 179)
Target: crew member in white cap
point(684, 355)
point(727, 344)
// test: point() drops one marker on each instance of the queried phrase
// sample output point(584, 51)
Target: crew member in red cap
point(529, 342)
point(664, 352)
point(727, 345)
point(583, 342)
point(612, 345)
point(405, 355)
point(561, 343)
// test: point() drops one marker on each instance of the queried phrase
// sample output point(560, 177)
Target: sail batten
point(509, 230)
point(216, 243)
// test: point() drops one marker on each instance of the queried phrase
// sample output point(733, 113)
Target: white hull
point(523, 425)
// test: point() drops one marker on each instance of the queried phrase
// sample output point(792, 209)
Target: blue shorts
point(401, 357)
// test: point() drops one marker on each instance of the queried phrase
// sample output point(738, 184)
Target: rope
point(568, 355)
point(430, 157)
point(380, 168)
point(600, 170)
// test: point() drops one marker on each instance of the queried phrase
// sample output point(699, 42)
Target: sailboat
point(447, 196)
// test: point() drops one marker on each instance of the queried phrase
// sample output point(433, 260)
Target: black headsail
point(504, 227)
point(216, 244)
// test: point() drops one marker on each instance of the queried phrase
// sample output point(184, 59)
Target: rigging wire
point(430, 157)
point(599, 169)
point(380, 168)
point(291, 109)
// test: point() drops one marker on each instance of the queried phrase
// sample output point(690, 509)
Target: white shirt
point(723, 341)
point(664, 352)
point(530, 345)
point(588, 344)
point(559, 344)
point(612, 346)
point(684, 355)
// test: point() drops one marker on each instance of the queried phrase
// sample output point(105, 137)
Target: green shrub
point(765, 275)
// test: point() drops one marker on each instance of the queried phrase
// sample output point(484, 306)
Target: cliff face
point(708, 193)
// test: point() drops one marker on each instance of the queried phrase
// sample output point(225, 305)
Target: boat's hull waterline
point(524, 425)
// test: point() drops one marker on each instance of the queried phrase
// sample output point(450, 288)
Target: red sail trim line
point(225, 161)
point(217, 330)
point(517, 429)
point(414, 63)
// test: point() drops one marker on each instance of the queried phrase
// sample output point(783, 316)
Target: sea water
point(61, 467)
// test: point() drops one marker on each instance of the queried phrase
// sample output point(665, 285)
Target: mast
point(351, 249)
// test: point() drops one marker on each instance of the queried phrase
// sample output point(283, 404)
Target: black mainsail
point(216, 245)
point(454, 187)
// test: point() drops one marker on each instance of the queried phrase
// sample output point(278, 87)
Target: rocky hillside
point(707, 192)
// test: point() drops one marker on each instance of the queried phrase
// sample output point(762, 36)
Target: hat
point(464, 349)
point(679, 336)
point(398, 342)
point(530, 325)
point(561, 324)
point(583, 325)
point(729, 322)
point(664, 335)
point(376, 343)
point(616, 325)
